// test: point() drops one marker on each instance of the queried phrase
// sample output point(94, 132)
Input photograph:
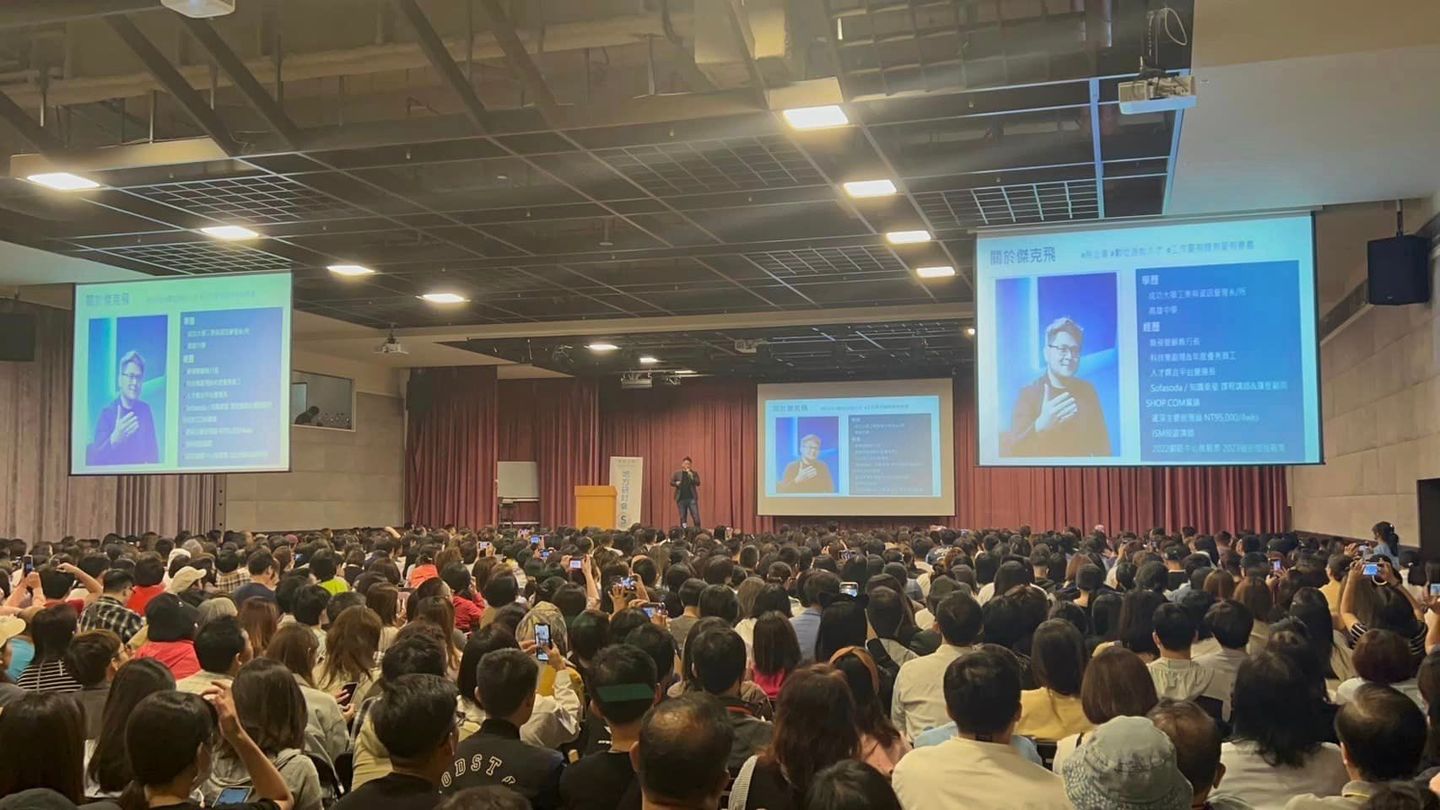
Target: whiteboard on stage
point(518, 480)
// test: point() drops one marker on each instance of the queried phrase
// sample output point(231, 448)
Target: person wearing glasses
point(1059, 414)
point(125, 432)
point(808, 473)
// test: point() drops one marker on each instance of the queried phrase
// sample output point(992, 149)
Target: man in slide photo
point(125, 431)
point(1059, 414)
point(807, 474)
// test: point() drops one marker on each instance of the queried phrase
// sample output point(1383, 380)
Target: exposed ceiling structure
point(586, 161)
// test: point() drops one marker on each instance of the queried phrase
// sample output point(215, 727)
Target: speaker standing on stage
point(687, 493)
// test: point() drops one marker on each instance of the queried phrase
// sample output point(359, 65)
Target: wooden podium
point(595, 506)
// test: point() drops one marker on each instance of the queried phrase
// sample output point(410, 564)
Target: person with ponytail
point(169, 741)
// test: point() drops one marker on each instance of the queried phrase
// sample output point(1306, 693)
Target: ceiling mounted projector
point(200, 9)
point(632, 380)
point(1157, 94)
point(391, 346)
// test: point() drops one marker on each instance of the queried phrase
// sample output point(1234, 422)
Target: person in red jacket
point(170, 635)
point(469, 606)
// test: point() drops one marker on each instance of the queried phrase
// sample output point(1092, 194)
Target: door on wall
point(1427, 494)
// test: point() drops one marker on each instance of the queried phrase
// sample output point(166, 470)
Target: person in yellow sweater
point(1052, 712)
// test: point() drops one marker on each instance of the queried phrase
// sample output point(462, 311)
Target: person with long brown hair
point(260, 618)
point(107, 769)
point(384, 600)
point(351, 645)
point(1116, 684)
point(815, 727)
point(881, 743)
point(326, 731)
point(272, 711)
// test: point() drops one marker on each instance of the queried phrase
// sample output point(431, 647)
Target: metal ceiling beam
point(520, 62)
point(174, 83)
point(687, 323)
point(1095, 145)
point(43, 12)
point(232, 66)
point(439, 57)
point(752, 68)
point(27, 127)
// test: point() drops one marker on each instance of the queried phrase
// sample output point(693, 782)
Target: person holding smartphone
point(1391, 606)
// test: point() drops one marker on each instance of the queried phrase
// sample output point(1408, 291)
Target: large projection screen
point(856, 448)
point(1172, 343)
point(182, 375)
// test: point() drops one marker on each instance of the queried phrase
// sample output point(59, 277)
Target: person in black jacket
point(681, 753)
point(415, 720)
point(505, 689)
point(1059, 414)
point(623, 680)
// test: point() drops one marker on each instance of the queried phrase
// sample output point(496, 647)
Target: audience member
point(1196, 737)
point(107, 765)
point(881, 744)
point(414, 719)
point(1127, 763)
point(108, 611)
point(221, 648)
point(1382, 737)
point(920, 697)
point(850, 785)
point(815, 726)
point(272, 712)
point(680, 754)
point(623, 684)
point(170, 630)
point(42, 745)
point(1054, 710)
point(1117, 684)
point(92, 659)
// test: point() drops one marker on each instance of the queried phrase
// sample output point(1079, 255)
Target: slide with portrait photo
point(182, 375)
point(1186, 343)
point(856, 449)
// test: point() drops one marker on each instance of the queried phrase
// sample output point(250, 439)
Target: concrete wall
point(338, 477)
point(1380, 382)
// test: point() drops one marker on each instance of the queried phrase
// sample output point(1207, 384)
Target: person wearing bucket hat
point(1127, 764)
point(170, 631)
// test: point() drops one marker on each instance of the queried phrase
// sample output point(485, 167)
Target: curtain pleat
point(572, 427)
point(451, 449)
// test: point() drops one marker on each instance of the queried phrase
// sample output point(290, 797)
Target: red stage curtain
point(451, 446)
point(555, 423)
point(713, 422)
point(572, 427)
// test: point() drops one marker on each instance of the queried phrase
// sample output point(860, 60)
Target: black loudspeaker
point(1399, 271)
point(17, 337)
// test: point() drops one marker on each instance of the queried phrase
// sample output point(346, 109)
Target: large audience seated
point(813, 668)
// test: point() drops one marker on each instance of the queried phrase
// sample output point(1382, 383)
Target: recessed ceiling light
point(444, 298)
point(230, 232)
point(870, 188)
point(350, 270)
point(648, 360)
point(970, 331)
point(63, 181)
point(907, 237)
point(830, 115)
point(685, 372)
point(935, 271)
point(601, 347)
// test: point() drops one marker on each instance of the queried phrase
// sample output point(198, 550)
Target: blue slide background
point(251, 359)
point(790, 429)
point(1024, 306)
point(1266, 345)
point(109, 339)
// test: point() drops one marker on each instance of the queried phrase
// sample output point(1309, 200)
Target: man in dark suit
point(686, 483)
point(125, 431)
point(1058, 414)
point(807, 473)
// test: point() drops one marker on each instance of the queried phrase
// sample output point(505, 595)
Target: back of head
point(90, 655)
point(219, 643)
point(1383, 657)
point(505, 680)
point(1196, 737)
point(960, 618)
point(815, 724)
point(1273, 708)
point(717, 660)
point(1117, 684)
point(886, 612)
point(43, 737)
point(1230, 623)
point(982, 692)
point(415, 716)
point(1254, 594)
point(683, 747)
point(1382, 734)
point(719, 601)
point(1089, 578)
point(1057, 654)
point(271, 705)
point(842, 624)
point(1403, 796)
point(1174, 627)
point(490, 797)
point(309, 605)
point(164, 735)
point(415, 654)
point(1152, 576)
point(623, 680)
point(850, 785)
